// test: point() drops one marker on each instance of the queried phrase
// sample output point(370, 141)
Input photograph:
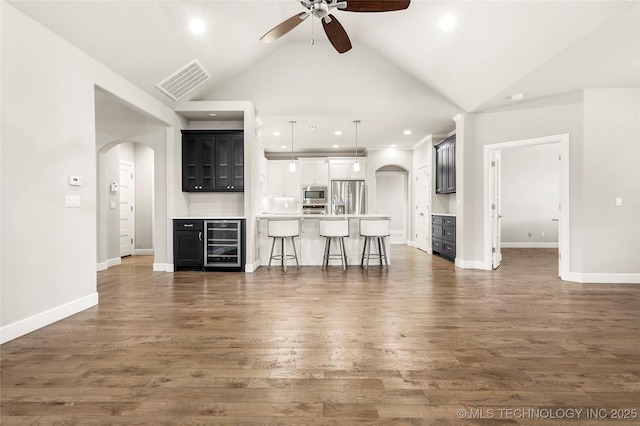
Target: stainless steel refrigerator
point(348, 197)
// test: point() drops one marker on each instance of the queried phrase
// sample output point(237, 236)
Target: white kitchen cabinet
point(315, 173)
point(280, 181)
point(343, 169)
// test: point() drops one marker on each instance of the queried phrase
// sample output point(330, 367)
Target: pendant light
point(356, 165)
point(292, 165)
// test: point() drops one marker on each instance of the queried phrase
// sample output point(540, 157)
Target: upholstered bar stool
point(334, 229)
point(281, 230)
point(376, 229)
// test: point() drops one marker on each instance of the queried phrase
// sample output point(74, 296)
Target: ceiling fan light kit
point(321, 9)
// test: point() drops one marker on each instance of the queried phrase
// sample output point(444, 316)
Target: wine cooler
point(223, 243)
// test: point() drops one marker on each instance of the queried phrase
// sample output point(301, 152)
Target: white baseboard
point(143, 252)
point(37, 321)
point(591, 278)
point(530, 245)
point(108, 264)
point(163, 267)
point(472, 264)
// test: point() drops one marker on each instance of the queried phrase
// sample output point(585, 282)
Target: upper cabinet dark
point(446, 166)
point(229, 160)
point(212, 161)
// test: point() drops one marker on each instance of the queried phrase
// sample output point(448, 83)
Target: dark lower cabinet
point(443, 236)
point(208, 244)
point(188, 251)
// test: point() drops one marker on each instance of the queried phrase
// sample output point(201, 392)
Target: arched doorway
point(392, 197)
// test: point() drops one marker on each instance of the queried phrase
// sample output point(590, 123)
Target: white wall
point(530, 196)
point(60, 241)
point(144, 197)
point(610, 169)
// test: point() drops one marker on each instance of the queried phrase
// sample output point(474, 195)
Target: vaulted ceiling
point(404, 71)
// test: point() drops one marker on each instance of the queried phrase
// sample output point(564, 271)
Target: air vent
point(185, 80)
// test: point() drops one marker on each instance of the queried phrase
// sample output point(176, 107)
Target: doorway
point(391, 199)
point(493, 211)
point(126, 202)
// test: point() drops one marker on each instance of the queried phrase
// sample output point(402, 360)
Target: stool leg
point(368, 254)
point(283, 262)
point(325, 256)
point(295, 253)
point(343, 250)
point(380, 250)
point(384, 250)
point(273, 244)
point(364, 249)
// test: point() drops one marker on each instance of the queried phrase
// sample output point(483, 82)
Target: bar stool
point(281, 230)
point(334, 229)
point(378, 229)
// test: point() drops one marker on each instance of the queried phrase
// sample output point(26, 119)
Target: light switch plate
point(113, 204)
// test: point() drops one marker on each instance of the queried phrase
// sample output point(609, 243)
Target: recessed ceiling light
point(283, 147)
point(447, 22)
point(406, 132)
point(276, 133)
point(338, 133)
point(336, 146)
point(212, 114)
point(517, 96)
point(196, 26)
point(393, 145)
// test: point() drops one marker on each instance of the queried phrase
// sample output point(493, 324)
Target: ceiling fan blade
point(336, 34)
point(284, 27)
point(376, 5)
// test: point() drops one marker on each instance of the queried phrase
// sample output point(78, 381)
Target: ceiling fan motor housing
point(320, 9)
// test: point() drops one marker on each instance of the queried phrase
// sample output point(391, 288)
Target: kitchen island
point(310, 245)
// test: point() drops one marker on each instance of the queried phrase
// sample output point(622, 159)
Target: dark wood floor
point(421, 343)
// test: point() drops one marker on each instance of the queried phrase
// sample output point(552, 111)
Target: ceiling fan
point(334, 30)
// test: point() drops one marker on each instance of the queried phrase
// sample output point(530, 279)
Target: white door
point(422, 216)
point(496, 209)
point(127, 222)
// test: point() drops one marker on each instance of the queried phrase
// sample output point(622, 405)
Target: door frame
point(564, 228)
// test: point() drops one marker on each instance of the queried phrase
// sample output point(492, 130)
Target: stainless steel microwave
point(316, 195)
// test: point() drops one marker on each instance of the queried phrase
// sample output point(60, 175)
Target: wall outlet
point(618, 201)
point(542, 234)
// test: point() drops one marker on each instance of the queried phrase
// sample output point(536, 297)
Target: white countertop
point(285, 216)
point(443, 214)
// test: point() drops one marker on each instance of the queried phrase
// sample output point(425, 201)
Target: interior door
point(422, 216)
point(496, 209)
point(127, 222)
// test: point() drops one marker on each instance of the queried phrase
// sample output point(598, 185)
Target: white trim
point(472, 264)
point(604, 278)
point(163, 267)
point(143, 252)
point(103, 266)
point(529, 245)
point(43, 319)
point(249, 268)
point(564, 228)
